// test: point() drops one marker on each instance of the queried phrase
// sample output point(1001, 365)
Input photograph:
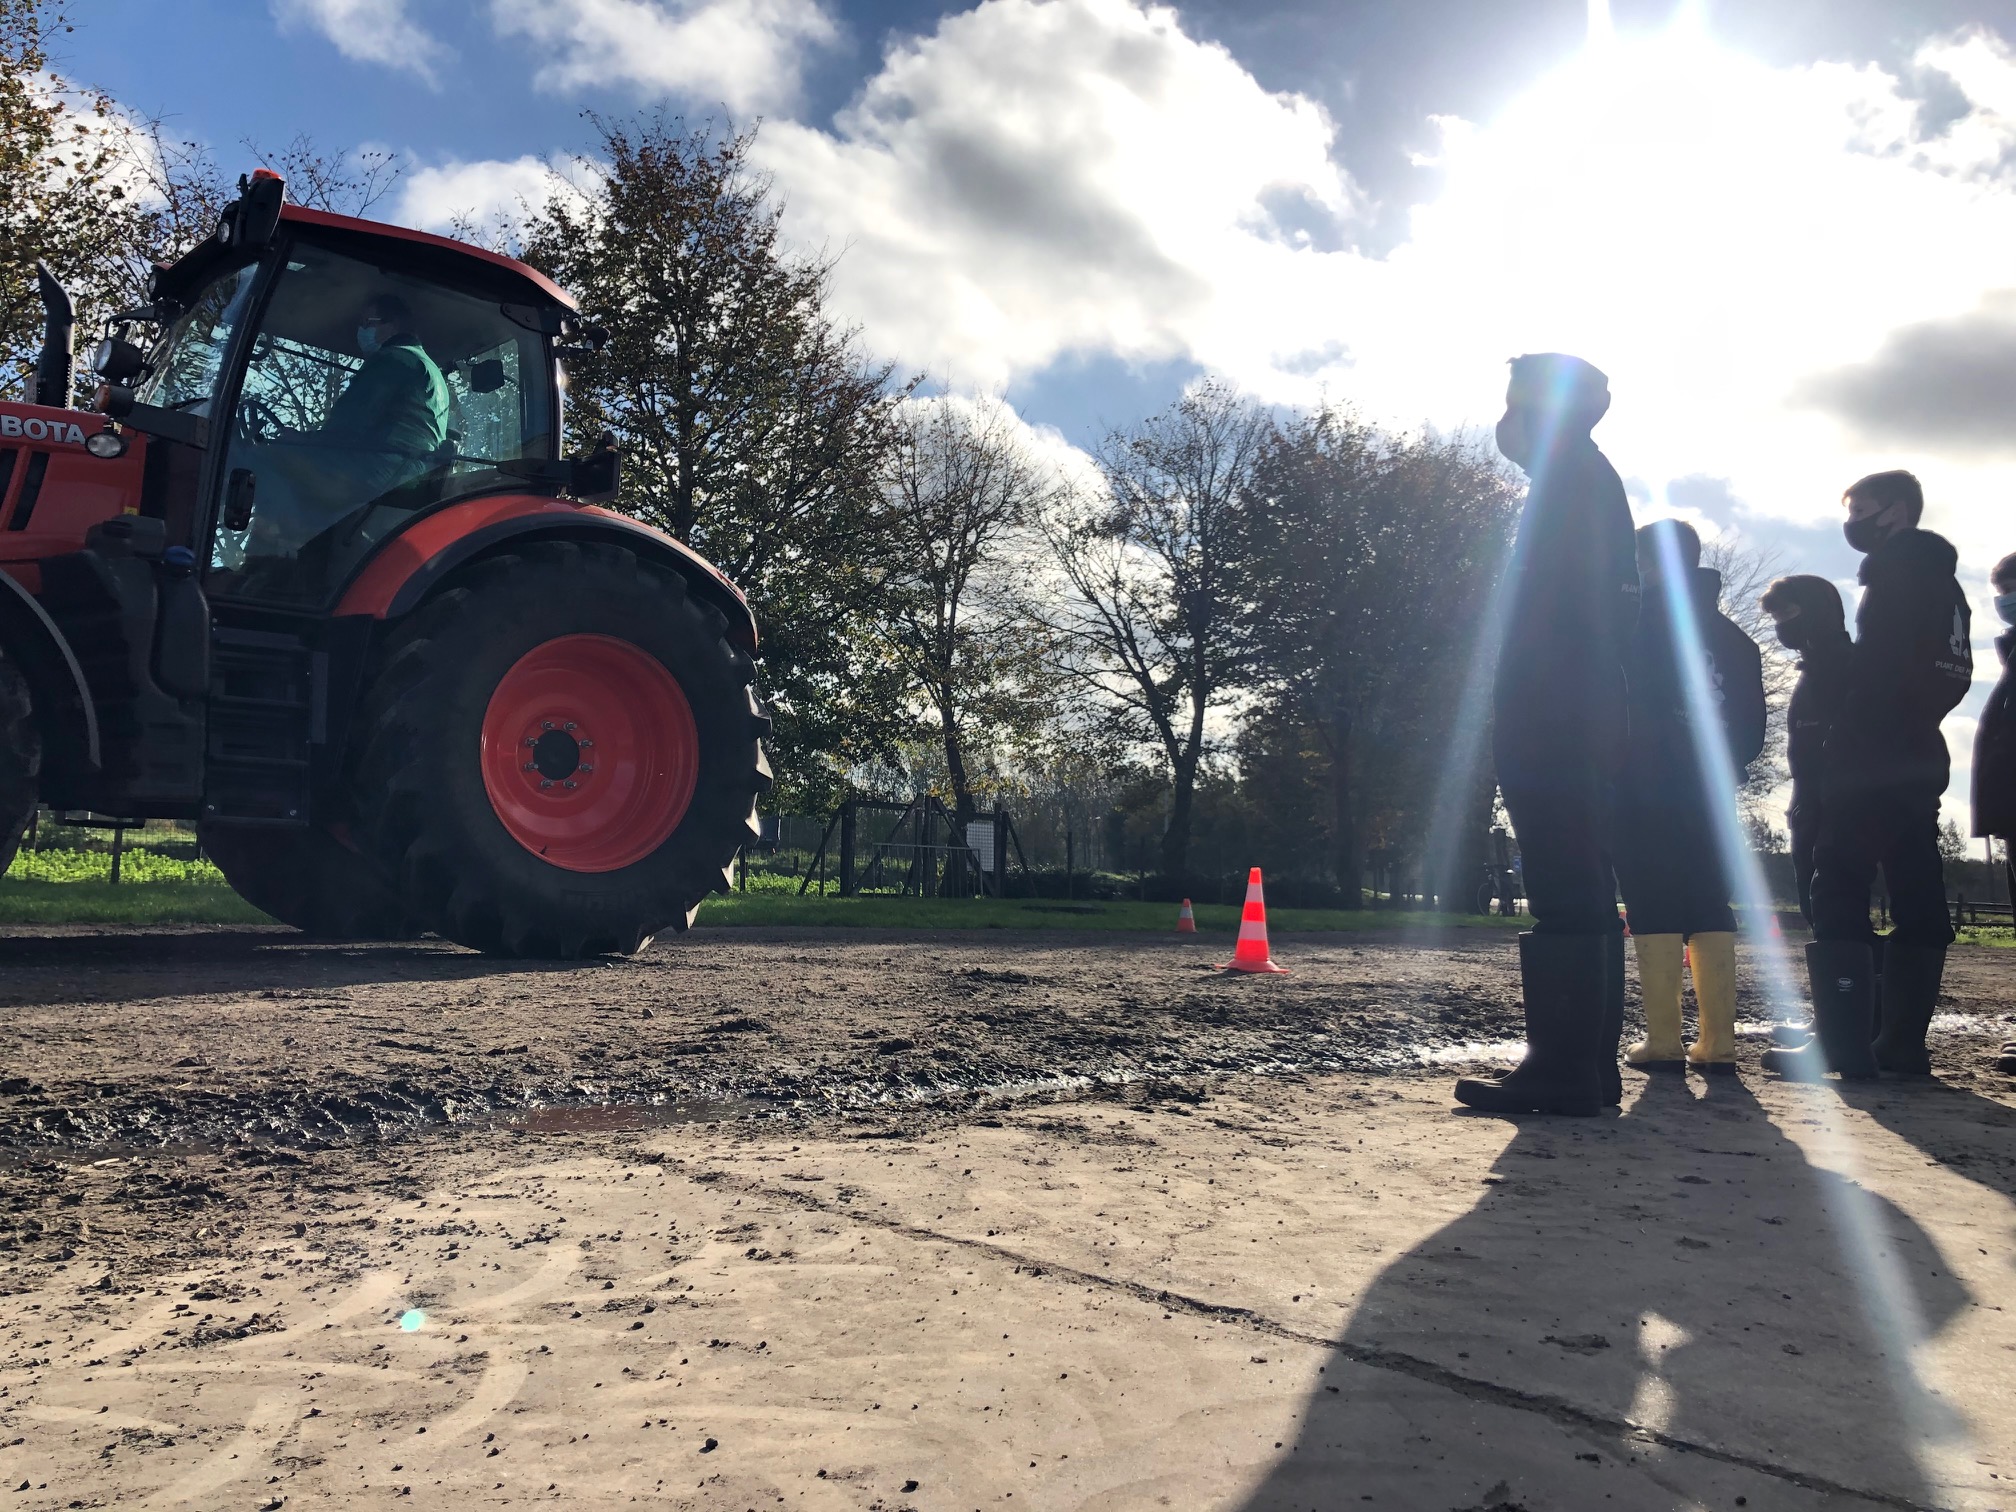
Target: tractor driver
point(383, 430)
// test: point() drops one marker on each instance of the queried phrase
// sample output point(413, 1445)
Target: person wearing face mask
point(1559, 735)
point(1812, 623)
point(383, 430)
point(392, 416)
point(1677, 778)
point(1995, 748)
point(1886, 766)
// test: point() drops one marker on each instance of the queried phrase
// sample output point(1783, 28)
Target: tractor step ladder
point(266, 710)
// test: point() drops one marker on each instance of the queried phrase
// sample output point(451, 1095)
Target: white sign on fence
point(980, 838)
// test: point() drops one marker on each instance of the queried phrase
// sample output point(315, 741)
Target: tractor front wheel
point(307, 878)
point(20, 759)
point(559, 754)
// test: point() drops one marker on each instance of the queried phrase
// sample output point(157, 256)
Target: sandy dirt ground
point(986, 1221)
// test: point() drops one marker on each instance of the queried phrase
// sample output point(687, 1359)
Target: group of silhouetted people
point(1627, 706)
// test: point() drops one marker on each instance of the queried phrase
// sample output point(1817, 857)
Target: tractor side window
point(190, 356)
point(369, 394)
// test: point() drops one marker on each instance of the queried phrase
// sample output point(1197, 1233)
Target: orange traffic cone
point(1186, 921)
point(1251, 953)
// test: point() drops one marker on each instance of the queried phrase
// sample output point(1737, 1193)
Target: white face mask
point(2005, 605)
point(367, 339)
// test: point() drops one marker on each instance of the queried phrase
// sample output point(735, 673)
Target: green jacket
point(392, 416)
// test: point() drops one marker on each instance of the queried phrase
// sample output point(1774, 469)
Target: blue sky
point(1785, 229)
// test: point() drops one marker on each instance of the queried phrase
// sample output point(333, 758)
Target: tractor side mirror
point(594, 479)
point(238, 499)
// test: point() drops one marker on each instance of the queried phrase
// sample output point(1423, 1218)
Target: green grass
point(97, 902)
point(72, 887)
point(75, 887)
point(774, 909)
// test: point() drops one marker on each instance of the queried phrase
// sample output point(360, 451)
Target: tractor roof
point(542, 286)
point(442, 257)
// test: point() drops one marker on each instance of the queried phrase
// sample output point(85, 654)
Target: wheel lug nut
point(571, 785)
point(586, 769)
point(572, 726)
point(584, 744)
point(545, 782)
point(531, 766)
point(546, 724)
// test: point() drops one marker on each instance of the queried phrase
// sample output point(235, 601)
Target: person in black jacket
point(1690, 665)
point(1886, 767)
point(1811, 621)
point(1558, 736)
point(1995, 748)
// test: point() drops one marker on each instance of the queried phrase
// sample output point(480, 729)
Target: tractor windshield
point(189, 358)
point(369, 394)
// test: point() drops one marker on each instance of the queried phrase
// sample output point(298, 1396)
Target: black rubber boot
point(1841, 975)
point(1613, 1018)
point(1565, 979)
point(1841, 979)
point(1910, 989)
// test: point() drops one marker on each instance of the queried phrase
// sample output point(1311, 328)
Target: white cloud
point(436, 197)
point(370, 31)
point(745, 54)
point(1040, 177)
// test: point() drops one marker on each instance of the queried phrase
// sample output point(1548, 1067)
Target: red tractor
point(315, 574)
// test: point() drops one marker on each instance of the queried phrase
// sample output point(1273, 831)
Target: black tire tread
point(309, 879)
point(400, 822)
point(20, 759)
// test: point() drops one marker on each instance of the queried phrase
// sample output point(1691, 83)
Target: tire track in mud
point(336, 1343)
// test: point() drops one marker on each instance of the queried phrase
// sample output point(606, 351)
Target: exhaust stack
point(56, 368)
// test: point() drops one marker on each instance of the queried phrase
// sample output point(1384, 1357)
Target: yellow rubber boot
point(1659, 958)
point(1712, 959)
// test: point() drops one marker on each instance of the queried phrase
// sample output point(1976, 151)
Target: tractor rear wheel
point(307, 878)
point(20, 759)
point(559, 754)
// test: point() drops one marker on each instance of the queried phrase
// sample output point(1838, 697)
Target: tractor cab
point(338, 378)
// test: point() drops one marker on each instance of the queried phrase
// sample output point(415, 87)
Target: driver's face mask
point(367, 339)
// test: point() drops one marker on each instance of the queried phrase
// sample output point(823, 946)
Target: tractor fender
point(62, 697)
point(411, 564)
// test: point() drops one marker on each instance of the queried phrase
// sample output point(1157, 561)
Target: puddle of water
point(1508, 1051)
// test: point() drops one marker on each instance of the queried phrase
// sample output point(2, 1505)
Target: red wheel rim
point(590, 753)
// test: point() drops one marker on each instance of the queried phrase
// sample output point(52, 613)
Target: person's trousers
point(1804, 833)
point(1564, 836)
point(1669, 864)
point(1897, 829)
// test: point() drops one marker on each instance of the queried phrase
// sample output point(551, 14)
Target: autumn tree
point(1145, 612)
point(751, 422)
point(1364, 564)
point(963, 493)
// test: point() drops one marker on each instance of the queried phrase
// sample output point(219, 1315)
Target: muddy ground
point(198, 1036)
point(216, 1147)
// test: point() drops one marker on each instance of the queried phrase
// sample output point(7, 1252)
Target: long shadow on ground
point(1671, 1290)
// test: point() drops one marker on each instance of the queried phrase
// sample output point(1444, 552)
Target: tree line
point(1237, 621)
